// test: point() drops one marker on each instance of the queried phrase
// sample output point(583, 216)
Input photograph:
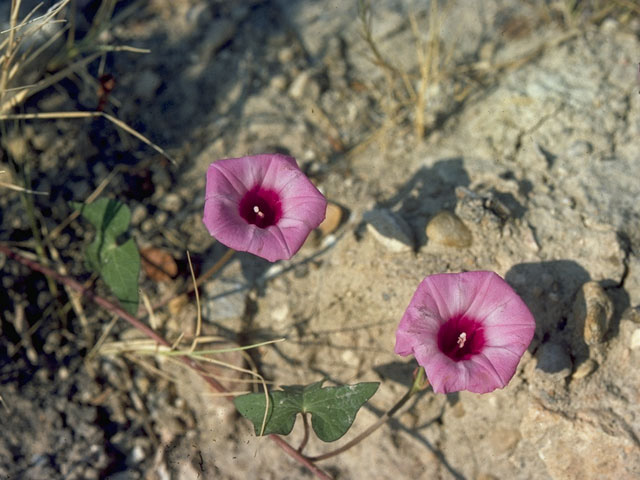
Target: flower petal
point(491, 306)
point(300, 206)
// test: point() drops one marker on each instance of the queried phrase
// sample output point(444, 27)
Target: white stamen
point(461, 339)
point(257, 211)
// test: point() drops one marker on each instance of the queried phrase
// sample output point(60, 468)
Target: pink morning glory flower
point(468, 330)
point(261, 204)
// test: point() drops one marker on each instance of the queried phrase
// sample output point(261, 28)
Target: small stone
point(304, 87)
point(17, 147)
point(389, 230)
point(280, 313)
point(585, 369)
point(137, 454)
point(138, 214)
point(447, 229)
point(44, 139)
point(592, 312)
point(331, 220)
point(171, 202)
point(632, 313)
point(147, 225)
point(278, 82)
point(286, 54)
point(635, 339)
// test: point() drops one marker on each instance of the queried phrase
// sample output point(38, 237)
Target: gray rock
point(592, 312)
point(390, 230)
point(448, 230)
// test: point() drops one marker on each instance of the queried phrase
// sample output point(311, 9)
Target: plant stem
point(305, 439)
point(106, 304)
point(418, 384)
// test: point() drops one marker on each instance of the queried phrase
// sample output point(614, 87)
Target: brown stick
point(110, 306)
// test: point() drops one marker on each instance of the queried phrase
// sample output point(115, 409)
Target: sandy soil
point(524, 127)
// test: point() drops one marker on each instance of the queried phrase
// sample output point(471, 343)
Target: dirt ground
point(519, 119)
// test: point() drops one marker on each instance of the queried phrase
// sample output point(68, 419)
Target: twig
point(106, 304)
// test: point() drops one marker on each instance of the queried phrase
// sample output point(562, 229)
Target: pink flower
point(468, 330)
point(261, 204)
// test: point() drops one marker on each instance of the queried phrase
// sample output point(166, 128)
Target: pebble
point(286, 55)
point(304, 87)
point(332, 219)
point(171, 202)
point(390, 230)
point(632, 313)
point(447, 229)
point(635, 339)
point(138, 214)
point(17, 147)
point(42, 140)
point(137, 454)
point(280, 313)
point(592, 312)
point(279, 82)
point(585, 369)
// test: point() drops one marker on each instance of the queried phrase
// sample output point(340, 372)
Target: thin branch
point(106, 304)
point(418, 384)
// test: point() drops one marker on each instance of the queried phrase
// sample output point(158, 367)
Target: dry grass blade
point(118, 123)
point(17, 188)
point(47, 17)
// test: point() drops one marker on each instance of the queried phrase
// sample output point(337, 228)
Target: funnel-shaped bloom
point(468, 330)
point(261, 204)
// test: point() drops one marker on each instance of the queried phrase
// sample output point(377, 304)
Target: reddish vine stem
point(148, 331)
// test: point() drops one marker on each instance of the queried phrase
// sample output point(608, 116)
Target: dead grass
point(405, 96)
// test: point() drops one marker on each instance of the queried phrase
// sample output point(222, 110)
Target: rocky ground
point(519, 155)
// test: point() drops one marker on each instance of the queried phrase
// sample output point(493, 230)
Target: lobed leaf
point(117, 263)
point(332, 409)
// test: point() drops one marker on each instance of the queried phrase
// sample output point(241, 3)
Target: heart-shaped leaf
point(117, 263)
point(332, 409)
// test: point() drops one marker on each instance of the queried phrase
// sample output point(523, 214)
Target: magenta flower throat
point(460, 338)
point(261, 204)
point(261, 207)
point(468, 330)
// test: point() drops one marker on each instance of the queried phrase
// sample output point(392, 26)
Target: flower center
point(461, 337)
point(260, 207)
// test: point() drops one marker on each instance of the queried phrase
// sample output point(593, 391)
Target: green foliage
point(332, 409)
point(118, 263)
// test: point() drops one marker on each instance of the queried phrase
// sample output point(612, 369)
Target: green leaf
point(332, 409)
point(118, 264)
